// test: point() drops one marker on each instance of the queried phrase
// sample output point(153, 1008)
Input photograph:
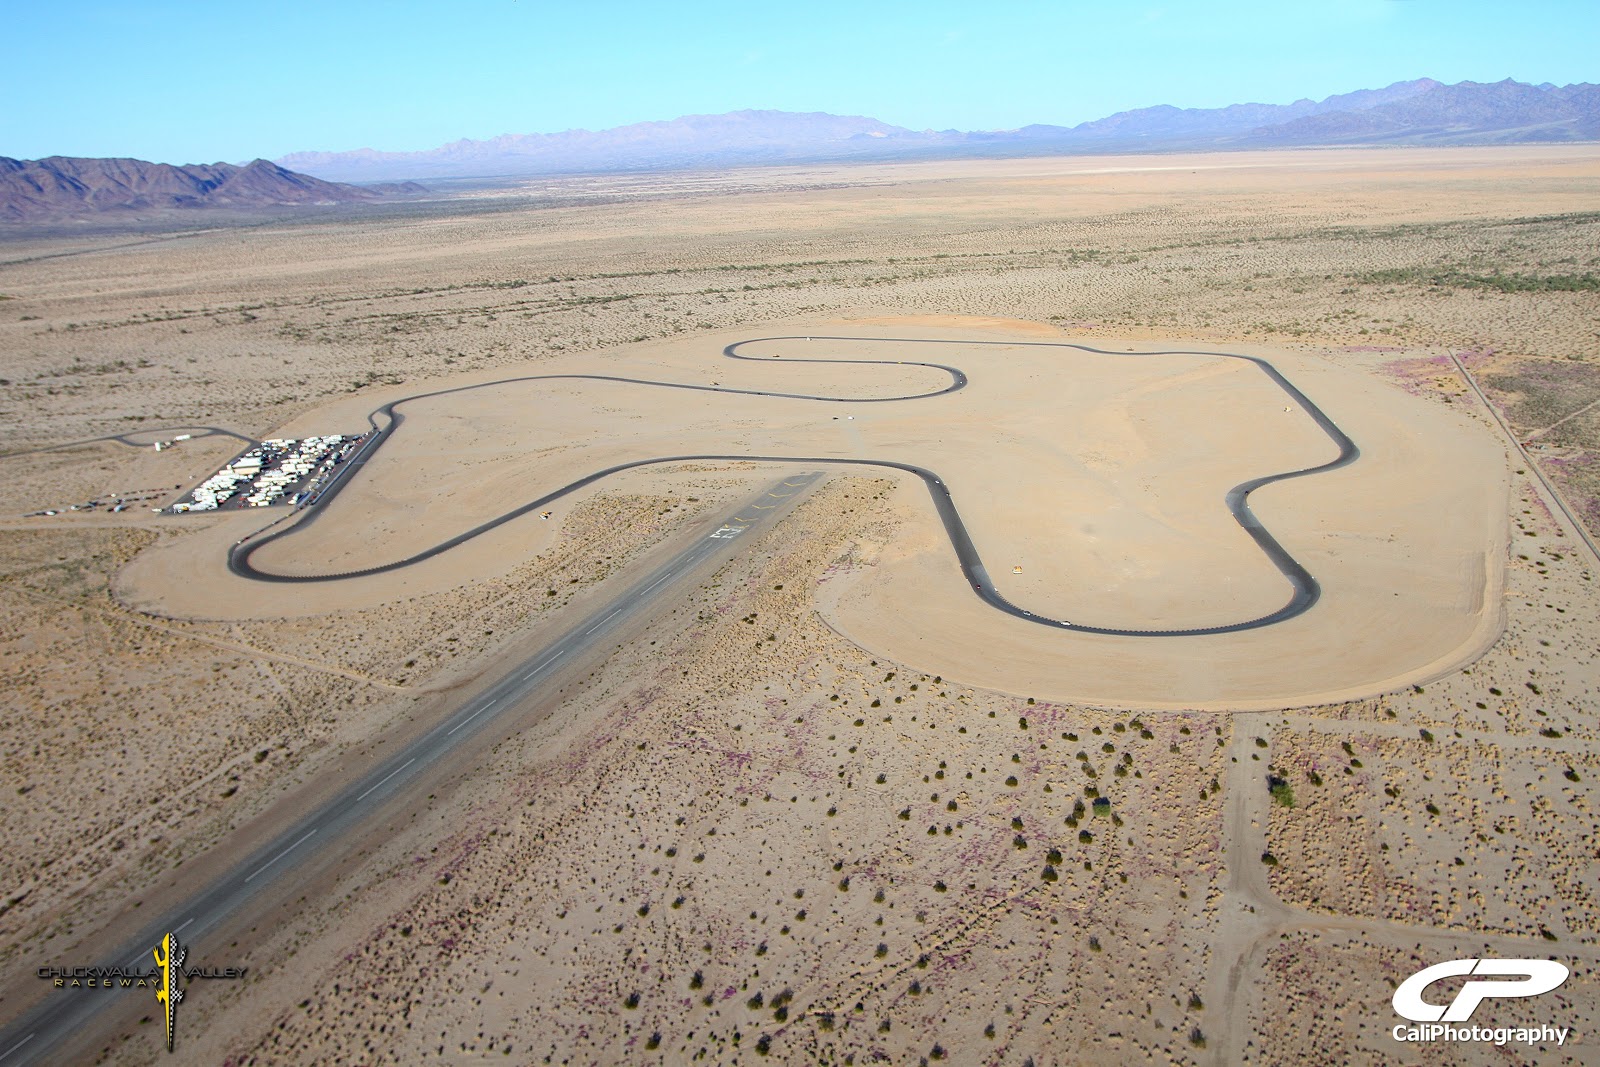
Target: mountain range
point(1420, 112)
point(60, 187)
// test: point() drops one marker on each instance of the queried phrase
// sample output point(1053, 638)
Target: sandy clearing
point(1100, 475)
point(1406, 543)
point(1325, 252)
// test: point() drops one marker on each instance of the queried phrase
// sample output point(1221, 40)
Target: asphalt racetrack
point(60, 1022)
point(1304, 590)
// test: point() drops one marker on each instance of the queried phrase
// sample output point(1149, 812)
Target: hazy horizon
point(411, 77)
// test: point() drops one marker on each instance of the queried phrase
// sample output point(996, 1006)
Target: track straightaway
point(1533, 465)
point(127, 439)
point(1304, 588)
point(59, 1017)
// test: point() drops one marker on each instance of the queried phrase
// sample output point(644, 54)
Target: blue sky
point(185, 82)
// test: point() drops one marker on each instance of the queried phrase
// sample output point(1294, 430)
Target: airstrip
point(819, 795)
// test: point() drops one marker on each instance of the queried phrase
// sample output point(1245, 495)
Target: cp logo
point(1534, 977)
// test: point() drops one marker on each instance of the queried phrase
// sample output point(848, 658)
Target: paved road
point(1533, 465)
point(1304, 588)
point(58, 1017)
point(63, 1014)
point(124, 439)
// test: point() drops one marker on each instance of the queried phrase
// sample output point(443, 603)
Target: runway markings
point(280, 855)
point(469, 718)
point(341, 809)
point(24, 1041)
point(385, 778)
point(603, 621)
point(539, 667)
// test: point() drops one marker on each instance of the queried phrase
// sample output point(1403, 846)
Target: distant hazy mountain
point(693, 140)
point(1422, 111)
point(1166, 123)
point(63, 187)
point(1467, 113)
point(1413, 112)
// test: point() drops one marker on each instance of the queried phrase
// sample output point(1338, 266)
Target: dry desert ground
point(826, 805)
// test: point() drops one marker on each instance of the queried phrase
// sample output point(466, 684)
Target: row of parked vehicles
point(269, 472)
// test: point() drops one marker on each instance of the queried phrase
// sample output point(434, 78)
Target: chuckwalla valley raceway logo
point(166, 980)
point(1435, 1022)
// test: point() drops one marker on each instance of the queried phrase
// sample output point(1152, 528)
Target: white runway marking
point(280, 855)
point(547, 661)
point(474, 715)
point(603, 621)
point(386, 777)
point(24, 1041)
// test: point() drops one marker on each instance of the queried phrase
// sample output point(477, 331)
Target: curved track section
point(1305, 590)
point(124, 439)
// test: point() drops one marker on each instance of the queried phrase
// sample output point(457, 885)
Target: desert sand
point(828, 807)
point(1108, 498)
